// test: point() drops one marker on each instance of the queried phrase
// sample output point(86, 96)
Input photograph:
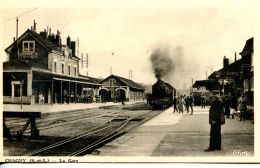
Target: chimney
point(68, 42)
point(34, 25)
point(31, 27)
point(73, 47)
point(58, 39)
point(225, 63)
point(17, 28)
point(14, 39)
point(235, 56)
point(43, 35)
point(49, 31)
point(52, 38)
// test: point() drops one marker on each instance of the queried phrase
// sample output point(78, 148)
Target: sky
point(197, 38)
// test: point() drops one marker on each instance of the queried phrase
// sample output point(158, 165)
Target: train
point(162, 95)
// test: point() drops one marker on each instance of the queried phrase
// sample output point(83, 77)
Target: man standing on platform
point(191, 104)
point(175, 104)
point(216, 113)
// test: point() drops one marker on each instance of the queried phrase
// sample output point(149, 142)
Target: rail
point(120, 128)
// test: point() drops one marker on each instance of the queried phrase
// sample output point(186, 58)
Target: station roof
point(45, 42)
point(210, 84)
point(234, 69)
point(36, 36)
point(36, 67)
point(249, 47)
point(126, 81)
point(21, 64)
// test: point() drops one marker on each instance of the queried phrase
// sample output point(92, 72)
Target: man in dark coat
point(227, 104)
point(187, 103)
point(215, 112)
point(234, 104)
point(203, 102)
point(191, 101)
point(175, 104)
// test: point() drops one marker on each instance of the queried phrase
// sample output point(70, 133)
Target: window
point(69, 69)
point(246, 84)
point(75, 70)
point(17, 89)
point(62, 68)
point(55, 66)
point(28, 46)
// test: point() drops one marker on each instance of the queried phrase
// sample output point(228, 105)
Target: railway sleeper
point(137, 119)
point(119, 119)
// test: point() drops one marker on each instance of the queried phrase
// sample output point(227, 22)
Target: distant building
point(206, 85)
point(204, 88)
point(43, 70)
point(237, 78)
point(115, 88)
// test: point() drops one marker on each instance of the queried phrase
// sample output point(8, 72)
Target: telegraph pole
point(110, 70)
point(16, 28)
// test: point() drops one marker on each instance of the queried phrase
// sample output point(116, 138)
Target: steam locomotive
point(162, 95)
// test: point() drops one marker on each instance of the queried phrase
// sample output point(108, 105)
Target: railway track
point(52, 120)
point(87, 141)
point(58, 122)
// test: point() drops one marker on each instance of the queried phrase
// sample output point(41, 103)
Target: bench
point(31, 120)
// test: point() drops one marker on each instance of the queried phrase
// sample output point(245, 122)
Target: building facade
point(42, 70)
point(233, 79)
point(237, 78)
point(116, 88)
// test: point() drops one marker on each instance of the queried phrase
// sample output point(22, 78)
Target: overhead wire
point(21, 14)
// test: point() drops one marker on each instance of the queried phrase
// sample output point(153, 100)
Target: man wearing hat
point(215, 114)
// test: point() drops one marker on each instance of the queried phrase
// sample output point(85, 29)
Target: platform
point(174, 134)
point(48, 108)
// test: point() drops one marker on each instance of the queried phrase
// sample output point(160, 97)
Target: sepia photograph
point(122, 81)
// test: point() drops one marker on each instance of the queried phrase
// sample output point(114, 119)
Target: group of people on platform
point(231, 105)
point(183, 103)
point(220, 108)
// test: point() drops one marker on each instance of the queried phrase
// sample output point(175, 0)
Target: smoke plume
point(165, 60)
point(161, 62)
point(168, 64)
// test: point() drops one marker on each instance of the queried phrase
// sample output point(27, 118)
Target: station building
point(42, 70)
point(235, 78)
point(116, 88)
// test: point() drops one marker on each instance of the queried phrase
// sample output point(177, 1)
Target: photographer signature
point(241, 153)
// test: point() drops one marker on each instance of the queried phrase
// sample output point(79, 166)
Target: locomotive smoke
point(161, 62)
point(168, 63)
point(174, 65)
